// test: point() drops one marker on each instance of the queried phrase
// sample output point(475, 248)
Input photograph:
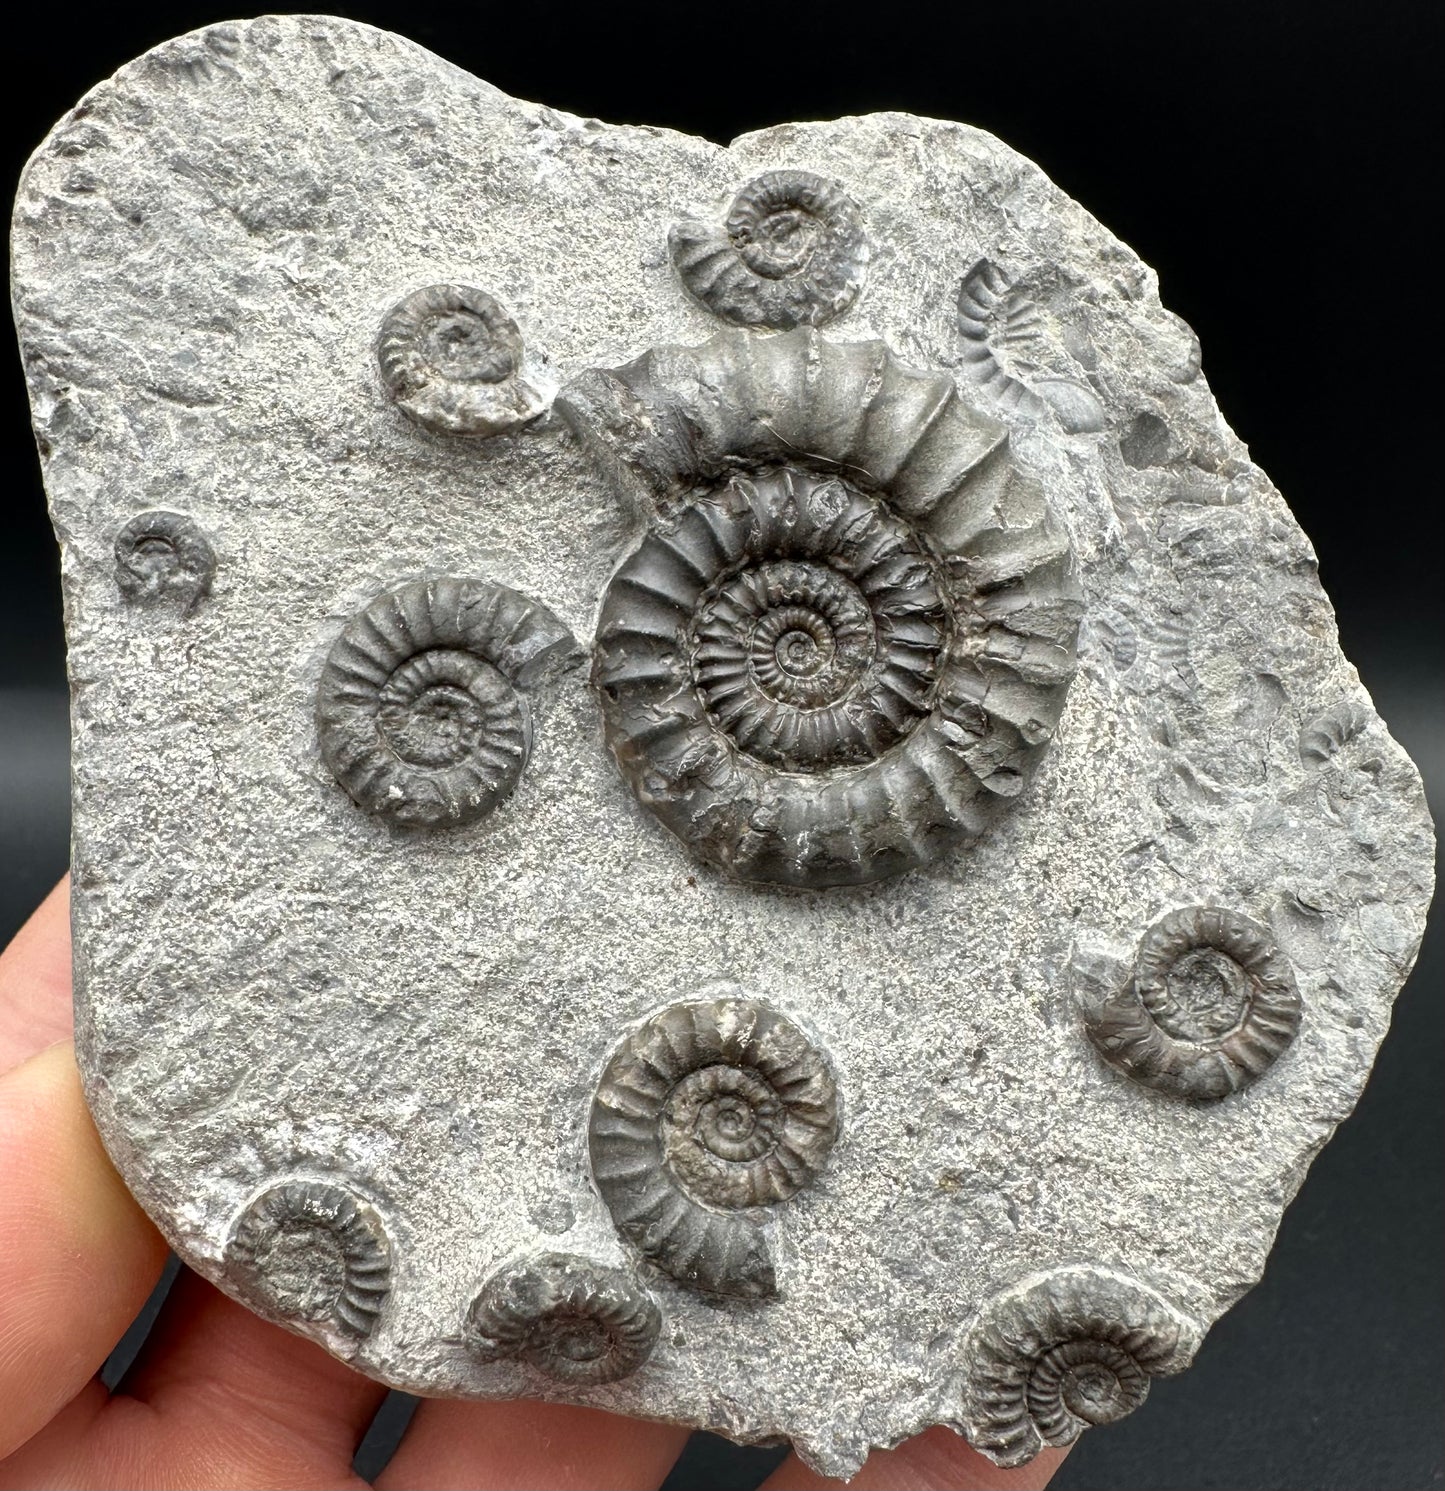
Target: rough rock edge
point(828, 1459)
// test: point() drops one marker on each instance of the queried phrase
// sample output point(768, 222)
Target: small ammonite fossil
point(312, 1251)
point(708, 1111)
point(824, 668)
point(1063, 1351)
point(1331, 731)
point(1337, 748)
point(451, 358)
point(164, 557)
point(421, 712)
point(574, 1320)
point(1002, 329)
point(791, 252)
point(1210, 1007)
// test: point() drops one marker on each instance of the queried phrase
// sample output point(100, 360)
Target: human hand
point(219, 1397)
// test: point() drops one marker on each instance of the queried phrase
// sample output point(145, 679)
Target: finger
point(512, 1446)
point(210, 1366)
point(35, 982)
point(937, 1460)
point(268, 1418)
point(79, 1256)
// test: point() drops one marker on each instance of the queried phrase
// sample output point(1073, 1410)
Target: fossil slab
point(705, 782)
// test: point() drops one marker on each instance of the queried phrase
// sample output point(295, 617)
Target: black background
point(1277, 164)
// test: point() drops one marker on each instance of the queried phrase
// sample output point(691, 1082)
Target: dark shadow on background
point(34, 797)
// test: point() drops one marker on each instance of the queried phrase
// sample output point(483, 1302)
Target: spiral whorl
point(1063, 1351)
point(451, 359)
point(791, 252)
point(710, 1108)
point(828, 668)
point(161, 557)
point(572, 1319)
point(1211, 1007)
point(419, 711)
point(309, 1250)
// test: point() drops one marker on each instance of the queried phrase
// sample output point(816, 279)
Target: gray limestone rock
point(904, 975)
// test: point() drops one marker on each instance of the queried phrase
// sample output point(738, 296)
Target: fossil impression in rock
point(1002, 328)
point(1064, 1351)
point(313, 1251)
point(419, 713)
point(812, 841)
point(1211, 1006)
point(791, 252)
point(451, 358)
point(571, 1319)
point(848, 635)
point(163, 556)
point(710, 1112)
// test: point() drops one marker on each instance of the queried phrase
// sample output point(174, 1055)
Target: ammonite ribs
point(706, 1113)
point(572, 1319)
point(310, 1250)
point(389, 922)
point(421, 712)
point(791, 252)
point(164, 556)
point(828, 671)
point(451, 359)
point(1211, 1007)
point(1065, 1350)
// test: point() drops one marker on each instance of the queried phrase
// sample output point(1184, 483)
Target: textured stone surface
point(348, 1057)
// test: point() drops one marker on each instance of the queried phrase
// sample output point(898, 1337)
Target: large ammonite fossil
point(1066, 1350)
point(420, 711)
point(309, 1250)
point(791, 252)
point(574, 1320)
point(847, 638)
point(451, 359)
point(707, 1112)
point(1210, 1008)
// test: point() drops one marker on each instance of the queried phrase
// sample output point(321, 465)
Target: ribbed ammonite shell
point(708, 1111)
point(1001, 328)
point(163, 556)
point(1210, 1008)
point(1331, 731)
point(791, 252)
point(823, 669)
point(1064, 1351)
point(420, 709)
point(451, 359)
point(572, 1319)
point(312, 1251)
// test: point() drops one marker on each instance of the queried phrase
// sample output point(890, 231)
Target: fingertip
point(35, 996)
point(510, 1446)
point(936, 1460)
point(80, 1256)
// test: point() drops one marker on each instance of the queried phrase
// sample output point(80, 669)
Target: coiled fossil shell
point(163, 557)
point(1337, 748)
point(419, 712)
point(708, 1110)
point(823, 669)
point(451, 358)
point(313, 1251)
point(1066, 1350)
point(1331, 731)
point(1000, 324)
point(574, 1320)
point(792, 252)
point(1210, 1008)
